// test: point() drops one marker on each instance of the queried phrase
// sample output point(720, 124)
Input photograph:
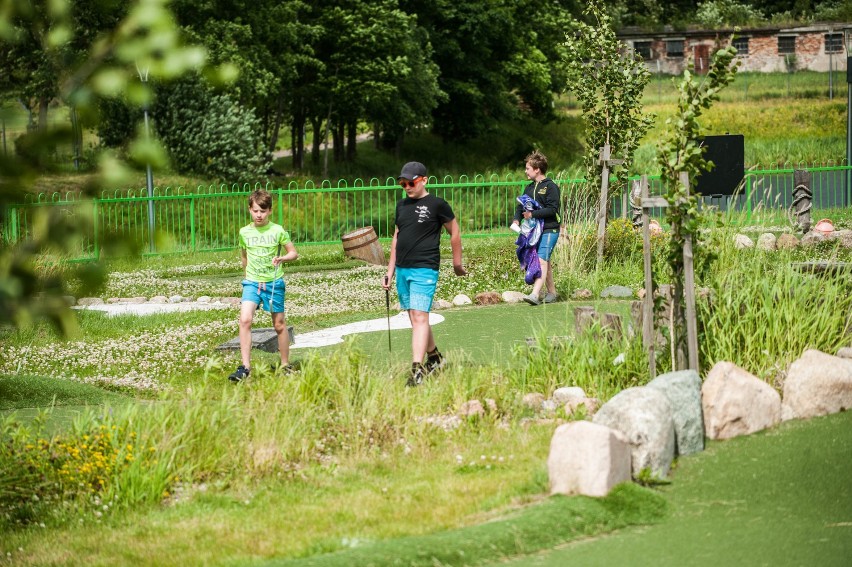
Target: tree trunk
point(276, 123)
point(316, 124)
point(337, 132)
point(299, 138)
point(43, 103)
point(352, 141)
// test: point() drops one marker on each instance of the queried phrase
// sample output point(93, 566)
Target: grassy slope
point(782, 497)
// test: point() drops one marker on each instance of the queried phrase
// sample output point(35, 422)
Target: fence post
point(192, 222)
point(95, 227)
point(748, 198)
point(280, 207)
point(13, 224)
point(689, 291)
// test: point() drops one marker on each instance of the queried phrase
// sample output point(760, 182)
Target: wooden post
point(606, 160)
point(603, 159)
point(689, 291)
point(648, 338)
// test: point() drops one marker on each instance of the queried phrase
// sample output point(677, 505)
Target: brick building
point(817, 47)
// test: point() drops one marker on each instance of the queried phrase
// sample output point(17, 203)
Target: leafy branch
point(681, 157)
point(608, 80)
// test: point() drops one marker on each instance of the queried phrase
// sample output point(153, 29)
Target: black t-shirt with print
point(420, 222)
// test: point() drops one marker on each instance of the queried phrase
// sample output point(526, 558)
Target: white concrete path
point(334, 335)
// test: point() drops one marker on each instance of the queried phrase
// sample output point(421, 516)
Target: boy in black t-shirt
point(414, 256)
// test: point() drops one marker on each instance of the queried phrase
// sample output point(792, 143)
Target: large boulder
point(587, 459)
point(683, 390)
point(736, 402)
point(644, 416)
point(818, 384)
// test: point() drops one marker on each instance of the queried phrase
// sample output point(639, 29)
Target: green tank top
point(261, 245)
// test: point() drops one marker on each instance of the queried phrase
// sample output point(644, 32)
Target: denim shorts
point(547, 243)
point(261, 294)
point(416, 288)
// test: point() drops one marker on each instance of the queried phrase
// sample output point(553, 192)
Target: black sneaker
point(240, 374)
point(418, 372)
point(434, 362)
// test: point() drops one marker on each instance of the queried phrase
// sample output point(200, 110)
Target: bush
point(207, 133)
point(117, 121)
point(622, 241)
point(722, 13)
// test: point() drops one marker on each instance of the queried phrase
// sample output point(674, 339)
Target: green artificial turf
point(479, 334)
point(555, 521)
point(783, 497)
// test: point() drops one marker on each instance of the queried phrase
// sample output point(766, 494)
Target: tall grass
point(765, 312)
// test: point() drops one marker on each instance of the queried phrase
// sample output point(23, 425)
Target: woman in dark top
point(546, 193)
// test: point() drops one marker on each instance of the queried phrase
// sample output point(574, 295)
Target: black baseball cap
point(411, 170)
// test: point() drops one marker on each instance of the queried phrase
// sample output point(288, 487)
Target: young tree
point(680, 155)
point(608, 80)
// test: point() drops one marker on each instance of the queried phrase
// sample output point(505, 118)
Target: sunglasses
point(405, 183)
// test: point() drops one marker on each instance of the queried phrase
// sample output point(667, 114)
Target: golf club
point(387, 308)
point(274, 277)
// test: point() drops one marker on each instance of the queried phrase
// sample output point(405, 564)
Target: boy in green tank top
point(260, 247)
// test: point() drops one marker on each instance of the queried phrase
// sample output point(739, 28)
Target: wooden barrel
point(363, 243)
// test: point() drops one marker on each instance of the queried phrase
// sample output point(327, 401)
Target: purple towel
point(527, 241)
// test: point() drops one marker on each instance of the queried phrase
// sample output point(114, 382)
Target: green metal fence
point(208, 218)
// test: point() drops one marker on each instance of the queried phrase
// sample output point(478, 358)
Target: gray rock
point(472, 408)
point(533, 400)
point(786, 241)
point(265, 339)
point(462, 299)
point(175, 299)
point(440, 304)
point(203, 299)
point(645, 418)
point(818, 384)
point(158, 299)
point(845, 352)
point(549, 405)
point(581, 293)
point(566, 393)
point(742, 241)
point(512, 296)
point(617, 291)
point(812, 238)
point(86, 301)
point(683, 390)
point(767, 241)
point(844, 236)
